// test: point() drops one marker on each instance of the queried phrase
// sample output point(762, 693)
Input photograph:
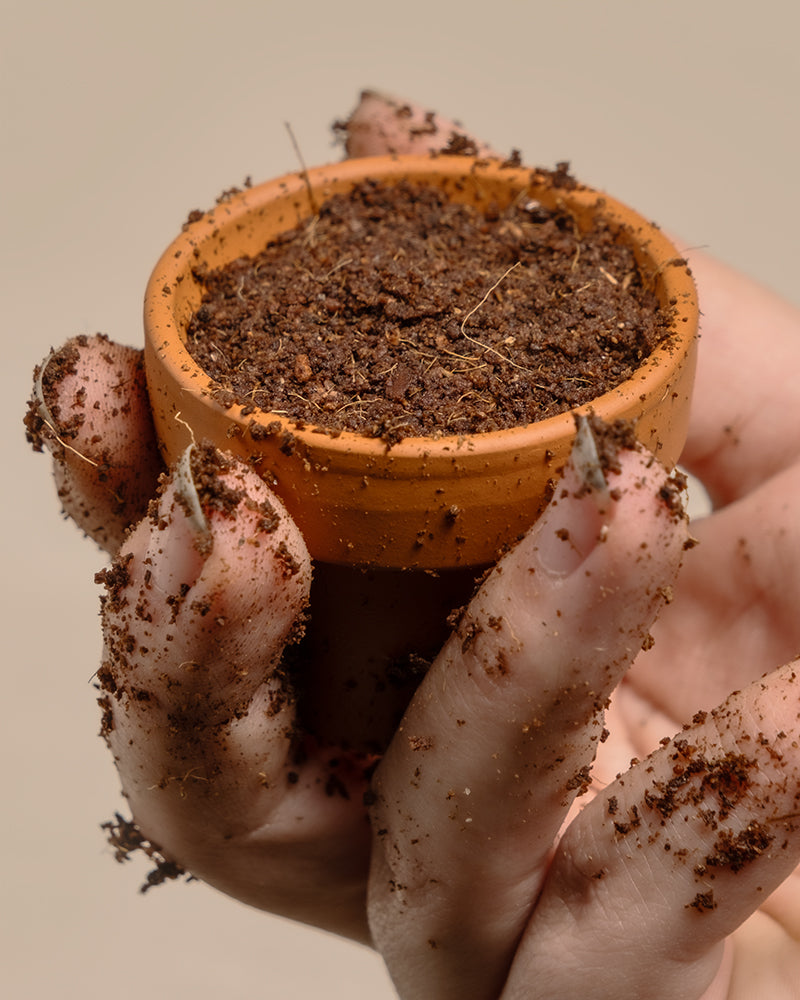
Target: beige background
point(119, 119)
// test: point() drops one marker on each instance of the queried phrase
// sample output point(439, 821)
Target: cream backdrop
point(120, 118)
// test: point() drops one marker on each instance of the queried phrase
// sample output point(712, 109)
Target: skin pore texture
point(504, 846)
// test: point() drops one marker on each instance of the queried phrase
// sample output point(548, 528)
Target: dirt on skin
point(394, 312)
point(723, 793)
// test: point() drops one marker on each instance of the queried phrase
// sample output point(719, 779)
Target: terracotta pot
point(388, 512)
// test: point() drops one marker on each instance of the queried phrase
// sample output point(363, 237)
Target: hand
point(484, 875)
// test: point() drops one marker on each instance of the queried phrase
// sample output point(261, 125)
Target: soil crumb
point(126, 838)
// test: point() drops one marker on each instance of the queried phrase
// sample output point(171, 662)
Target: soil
point(126, 839)
point(37, 431)
point(394, 312)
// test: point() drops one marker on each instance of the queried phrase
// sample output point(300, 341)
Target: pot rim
point(166, 276)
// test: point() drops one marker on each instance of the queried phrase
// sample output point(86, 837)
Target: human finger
point(197, 707)
point(199, 604)
point(382, 124)
point(673, 857)
point(90, 410)
point(744, 425)
point(500, 737)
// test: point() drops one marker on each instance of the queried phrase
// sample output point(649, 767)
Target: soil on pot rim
point(394, 313)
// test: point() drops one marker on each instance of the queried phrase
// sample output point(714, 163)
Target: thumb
point(501, 736)
point(382, 124)
point(91, 411)
point(199, 604)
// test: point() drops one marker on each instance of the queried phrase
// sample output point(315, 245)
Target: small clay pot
point(379, 520)
point(423, 503)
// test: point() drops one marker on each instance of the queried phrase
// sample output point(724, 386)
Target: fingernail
point(585, 461)
point(38, 389)
point(180, 537)
point(572, 525)
point(186, 489)
point(41, 427)
point(565, 538)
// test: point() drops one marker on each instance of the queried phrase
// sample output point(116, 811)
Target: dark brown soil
point(37, 431)
point(126, 839)
point(396, 313)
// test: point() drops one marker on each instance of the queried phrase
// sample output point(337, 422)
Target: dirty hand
point(479, 875)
